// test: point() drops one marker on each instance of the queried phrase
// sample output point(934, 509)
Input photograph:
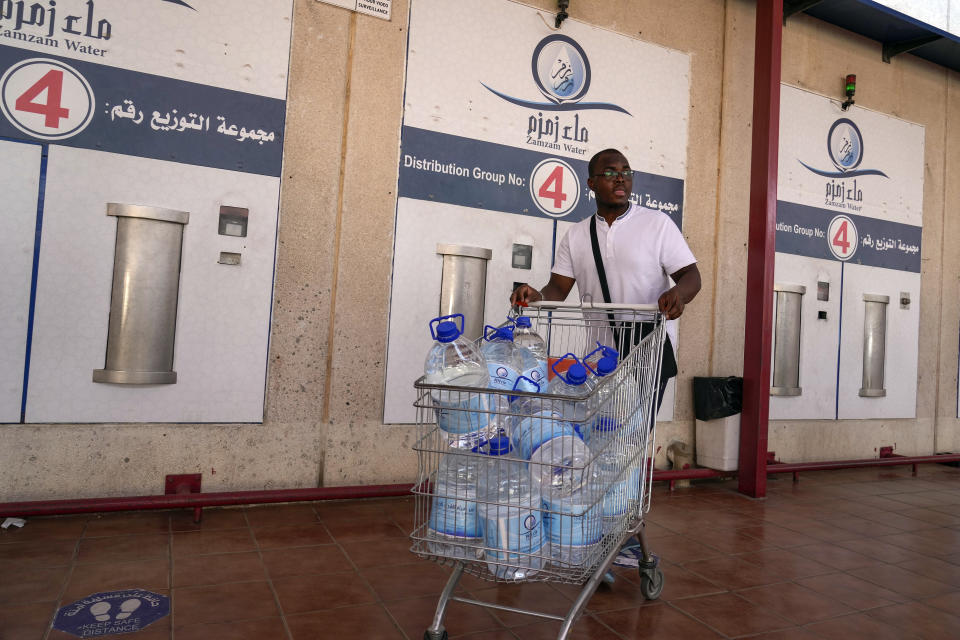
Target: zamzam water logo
point(845, 148)
point(561, 71)
point(501, 372)
point(530, 522)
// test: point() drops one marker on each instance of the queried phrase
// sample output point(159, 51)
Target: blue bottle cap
point(606, 424)
point(447, 331)
point(500, 446)
point(576, 374)
point(606, 365)
point(523, 321)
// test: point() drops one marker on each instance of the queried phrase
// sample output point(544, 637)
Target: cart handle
point(593, 305)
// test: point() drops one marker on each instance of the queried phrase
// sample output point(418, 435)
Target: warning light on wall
point(851, 88)
point(562, 11)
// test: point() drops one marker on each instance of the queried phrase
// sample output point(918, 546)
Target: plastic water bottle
point(575, 528)
point(608, 418)
point(455, 529)
point(534, 421)
point(606, 436)
point(534, 351)
point(504, 363)
point(512, 520)
point(619, 470)
point(572, 383)
point(453, 360)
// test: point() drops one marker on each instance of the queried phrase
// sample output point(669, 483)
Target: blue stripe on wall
point(41, 189)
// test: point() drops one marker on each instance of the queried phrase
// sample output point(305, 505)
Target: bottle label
point(452, 517)
point(538, 374)
point(512, 529)
point(462, 412)
point(502, 377)
point(576, 529)
point(536, 429)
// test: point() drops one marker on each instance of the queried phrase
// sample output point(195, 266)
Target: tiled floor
point(870, 553)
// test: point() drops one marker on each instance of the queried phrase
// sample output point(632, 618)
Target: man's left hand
point(670, 303)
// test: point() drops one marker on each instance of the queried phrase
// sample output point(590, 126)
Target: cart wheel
point(609, 578)
point(651, 583)
point(431, 636)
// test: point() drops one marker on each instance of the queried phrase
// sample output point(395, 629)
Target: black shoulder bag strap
point(598, 260)
point(628, 337)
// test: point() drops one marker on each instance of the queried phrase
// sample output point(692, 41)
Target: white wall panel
point(223, 313)
point(818, 339)
point(902, 334)
point(20, 165)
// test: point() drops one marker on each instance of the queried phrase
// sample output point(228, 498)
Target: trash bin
point(717, 405)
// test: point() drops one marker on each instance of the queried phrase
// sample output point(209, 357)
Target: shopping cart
point(577, 477)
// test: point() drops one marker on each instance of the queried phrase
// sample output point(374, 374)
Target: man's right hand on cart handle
point(557, 290)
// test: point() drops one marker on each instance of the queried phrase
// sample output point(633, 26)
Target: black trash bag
point(715, 398)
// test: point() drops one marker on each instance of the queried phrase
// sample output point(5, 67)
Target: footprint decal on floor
point(128, 607)
point(99, 611)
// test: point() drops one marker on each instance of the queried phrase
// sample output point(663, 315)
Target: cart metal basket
point(576, 481)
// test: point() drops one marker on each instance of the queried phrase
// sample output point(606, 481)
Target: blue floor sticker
point(111, 612)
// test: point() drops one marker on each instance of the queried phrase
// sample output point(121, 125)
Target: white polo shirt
point(640, 249)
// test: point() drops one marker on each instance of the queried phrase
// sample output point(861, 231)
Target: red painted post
point(760, 249)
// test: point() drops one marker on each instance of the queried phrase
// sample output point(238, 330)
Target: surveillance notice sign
point(376, 8)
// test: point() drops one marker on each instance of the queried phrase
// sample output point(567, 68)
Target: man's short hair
point(593, 161)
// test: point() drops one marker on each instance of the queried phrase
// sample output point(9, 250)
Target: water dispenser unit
point(143, 304)
point(786, 346)
point(874, 344)
point(463, 285)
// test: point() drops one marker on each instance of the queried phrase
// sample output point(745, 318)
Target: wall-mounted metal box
point(143, 303)
point(463, 285)
point(874, 344)
point(786, 346)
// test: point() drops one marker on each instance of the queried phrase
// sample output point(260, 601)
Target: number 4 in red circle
point(842, 237)
point(554, 187)
point(46, 98)
point(52, 110)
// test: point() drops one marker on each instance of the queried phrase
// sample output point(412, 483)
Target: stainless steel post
point(463, 285)
point(874, 344)
point(146, 285)
point(786, 346)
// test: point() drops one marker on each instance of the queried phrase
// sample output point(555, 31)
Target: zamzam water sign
point(76, 27)
point(102, 614)
point(845, 149)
